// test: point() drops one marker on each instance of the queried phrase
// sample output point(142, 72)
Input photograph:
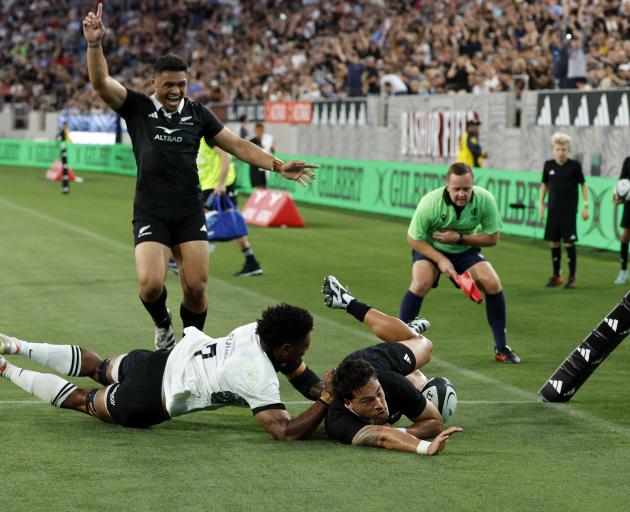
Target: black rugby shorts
point(169, 226)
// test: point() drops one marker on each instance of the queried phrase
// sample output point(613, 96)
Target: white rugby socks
point(45, 386)
point(65, 359)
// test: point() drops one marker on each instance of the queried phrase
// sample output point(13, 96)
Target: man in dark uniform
point(374, 387)
point(561, 177)
point(257, 176)
point(622, 278)
point(165, 131)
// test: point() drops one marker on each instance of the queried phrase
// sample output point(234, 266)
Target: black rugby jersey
point(562, 182)
point(402, 397)
point(166, 149)
point(625, 169)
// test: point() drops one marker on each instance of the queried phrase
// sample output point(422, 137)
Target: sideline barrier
point(116, 158)
point(390, 188)
point(394, 188)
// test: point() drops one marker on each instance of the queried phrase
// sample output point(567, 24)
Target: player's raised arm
point(295, 170)
point(110, 90)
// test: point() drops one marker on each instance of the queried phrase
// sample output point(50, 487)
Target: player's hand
point(446, 267)
point(439, 443)
point(616, 200)
point(328, 379)
point(585, 213)
point(299, 171)
point(93, 28)
point(446, 236)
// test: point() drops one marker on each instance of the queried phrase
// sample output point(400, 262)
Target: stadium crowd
point(316, 49)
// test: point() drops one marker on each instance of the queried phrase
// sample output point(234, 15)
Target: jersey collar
point(458, 209)
point(159, 106)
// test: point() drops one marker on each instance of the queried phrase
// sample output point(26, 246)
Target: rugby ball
point(441, 392)
point(622, 190)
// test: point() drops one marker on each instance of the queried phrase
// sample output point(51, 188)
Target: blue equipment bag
point(224, 221)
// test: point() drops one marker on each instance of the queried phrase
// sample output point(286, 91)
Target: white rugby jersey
point(206, 373)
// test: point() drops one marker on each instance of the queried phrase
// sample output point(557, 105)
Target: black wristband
point(358, 310)
point(460, 240)
point(94, 45)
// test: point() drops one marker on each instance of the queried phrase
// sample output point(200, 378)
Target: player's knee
point(150, 288)
point(75, 400)
point(420, 287)
point(426, 348)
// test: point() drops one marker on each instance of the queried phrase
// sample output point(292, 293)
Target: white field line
point(526, 396)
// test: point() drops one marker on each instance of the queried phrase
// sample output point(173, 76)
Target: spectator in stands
point(239, 44)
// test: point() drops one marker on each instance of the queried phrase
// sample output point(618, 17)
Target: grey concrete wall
point(509, 147)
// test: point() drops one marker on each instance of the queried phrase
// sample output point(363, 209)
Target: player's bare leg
point(388, 328)
point(151, 269)
point(67, 359)
point(192, 259)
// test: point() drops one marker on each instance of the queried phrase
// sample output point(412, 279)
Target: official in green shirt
point(447, 231)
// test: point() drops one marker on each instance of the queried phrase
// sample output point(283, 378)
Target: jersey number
point(212, 351)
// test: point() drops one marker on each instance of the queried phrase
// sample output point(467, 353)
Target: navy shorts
point(137, 400)
point(561, 227)
point(169, 226)
point(461, 261)
point(393, 357)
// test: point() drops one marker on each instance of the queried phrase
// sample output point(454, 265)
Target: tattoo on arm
point(367, 436)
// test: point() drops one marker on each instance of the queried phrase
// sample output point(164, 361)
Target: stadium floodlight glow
point(584, 360)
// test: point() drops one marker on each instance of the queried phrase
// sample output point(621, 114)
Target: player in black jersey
point(622, 278)
point(561, 177)
point(374, 387)
point(165, 131)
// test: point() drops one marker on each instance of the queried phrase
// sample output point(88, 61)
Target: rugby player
point(144, 388)
point(448, 229)
point(561, 177)
point(165, 130)
point(375, 386)
point(622, 278)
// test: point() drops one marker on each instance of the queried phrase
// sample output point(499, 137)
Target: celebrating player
point(165, 130)
point(144, 388)
point(561, 177)
point(375, 386)
point(446, 233)
point(622, 278)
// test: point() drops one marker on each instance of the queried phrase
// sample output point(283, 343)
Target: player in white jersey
point(144, 388)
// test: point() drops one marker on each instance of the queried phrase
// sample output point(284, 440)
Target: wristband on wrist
point(423, 447)
point(460, 240)
point(276, 165)
point(94, 45)
point(326, 398)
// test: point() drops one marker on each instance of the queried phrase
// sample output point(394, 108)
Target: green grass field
point(67, 276)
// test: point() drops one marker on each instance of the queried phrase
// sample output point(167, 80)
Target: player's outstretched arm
point(385, 436)
point(428, 424)
point(246, 151)
point(284, 428)
point(110, 90)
